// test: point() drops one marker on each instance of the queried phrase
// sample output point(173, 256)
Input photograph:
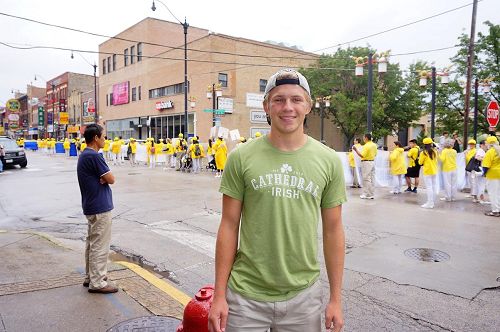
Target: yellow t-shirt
point(430, 166)
point(83, 146)
point(107, 143)
point(66, 145)
point(397, 159)
point(491, 161)
point(169, 148)
point(116, 147)
point(133, 146)
point(192, 148)
point(468, 156)
point(413, 156)
point(350, 157)
point(369, 151)
point(449, 159)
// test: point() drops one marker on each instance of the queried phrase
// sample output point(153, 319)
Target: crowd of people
point(482, 169)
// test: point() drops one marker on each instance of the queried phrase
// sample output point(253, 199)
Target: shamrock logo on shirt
point(286, 168)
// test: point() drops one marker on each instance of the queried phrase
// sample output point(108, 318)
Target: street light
point(185, 26)
point(322, 103)
point(214, 91)
point(381, 59)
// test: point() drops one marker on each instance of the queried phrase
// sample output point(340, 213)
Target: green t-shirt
point(282, 194)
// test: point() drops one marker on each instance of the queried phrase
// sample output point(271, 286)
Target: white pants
point(450, 184)
point(368, 173)
point(152, 161)
point(115, 159)
point(196, 165)
point(398, 182)
point(494, 193)
point(478, 183)
point(173, 160)
point(431, 188)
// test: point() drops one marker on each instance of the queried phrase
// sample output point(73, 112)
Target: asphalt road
point(168, 220)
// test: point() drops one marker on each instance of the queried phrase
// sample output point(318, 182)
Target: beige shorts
point(299, 314)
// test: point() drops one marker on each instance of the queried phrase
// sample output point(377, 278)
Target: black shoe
point(87, 284)
point(105, 290)
point(414, 190)
point(408, 190)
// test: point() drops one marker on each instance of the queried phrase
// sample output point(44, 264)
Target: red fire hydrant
point(195, 317)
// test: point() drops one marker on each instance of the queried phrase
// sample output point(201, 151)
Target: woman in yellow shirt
point(491, 169)
point(66, 146)
point(448, 159)
point(469, 154)
point(197, 152)
point(133, 150)
point(398, 167)
point(106, 148)
point(116, 148)
point(220, 149)
point(429, 160)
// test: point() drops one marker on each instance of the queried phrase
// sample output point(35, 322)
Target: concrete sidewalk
point(41, 289)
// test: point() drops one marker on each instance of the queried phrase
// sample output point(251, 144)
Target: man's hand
point(217, 316)
point(334, 319)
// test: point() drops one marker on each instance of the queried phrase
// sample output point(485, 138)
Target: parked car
point(14, 154)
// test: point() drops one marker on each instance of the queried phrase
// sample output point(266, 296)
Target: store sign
point(13, 105)
point(50, 117)
point(226, 104)
point(73, 129)
point(62, 105)
point(161, 105)
point(255, 100)
point(41, 116)
point(120, 93)
point(88, 119)
point(91, 106)
point(64, 118)
point(257, 116)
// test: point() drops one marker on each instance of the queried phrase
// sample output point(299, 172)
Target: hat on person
point(132, 139)
point(287, 76)
point(427, 140)
point(472, 142)
point(116, 138)
point(258, 134)
point(221, 136)
point(492, 139)
point(181, 135)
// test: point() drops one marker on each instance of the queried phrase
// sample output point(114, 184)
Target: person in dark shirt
point(94, 178)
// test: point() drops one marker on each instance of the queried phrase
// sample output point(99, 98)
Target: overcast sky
point(312, 25)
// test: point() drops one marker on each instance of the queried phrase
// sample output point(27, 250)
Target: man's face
point(100, 141)
point(287, 106)
point(412, 145)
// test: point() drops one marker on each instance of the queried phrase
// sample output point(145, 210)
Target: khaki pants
point(368, 173)
point(97, 249)
point(299, 314)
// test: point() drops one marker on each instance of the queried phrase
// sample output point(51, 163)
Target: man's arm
point(225, 251)
point(355, 149)
point(108, 178)
point(334, 252)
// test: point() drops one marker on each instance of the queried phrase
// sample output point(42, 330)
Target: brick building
point(141, 86)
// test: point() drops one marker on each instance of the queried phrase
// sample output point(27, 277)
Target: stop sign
point(492, 113)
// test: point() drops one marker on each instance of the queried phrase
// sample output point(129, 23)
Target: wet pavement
point(166, 221)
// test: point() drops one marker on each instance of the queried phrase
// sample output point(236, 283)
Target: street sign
point(216, 112)
point(492, 113)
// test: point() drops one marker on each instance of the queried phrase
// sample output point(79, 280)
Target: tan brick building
point(141, 86)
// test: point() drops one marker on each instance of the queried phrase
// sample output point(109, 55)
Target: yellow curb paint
point(162, 285)
point(47, 238)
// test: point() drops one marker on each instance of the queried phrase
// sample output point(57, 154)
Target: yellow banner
point(63, 118)
point(73, 129)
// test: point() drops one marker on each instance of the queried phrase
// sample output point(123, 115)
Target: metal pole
point(470, 62)
point(433, 103)
point(95, 94)
point(53, 108)
point(322, 116)
point(370, 88)
point(214, 106)
point(476, 91)
point(185, 25)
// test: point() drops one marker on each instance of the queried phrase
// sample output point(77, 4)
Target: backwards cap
point(287, 76)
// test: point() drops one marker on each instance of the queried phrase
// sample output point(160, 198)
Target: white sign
point(50, 128)
point(257, 116)
point(223, 131)
point(161, 105)
point(226, 104)
point(263, 131)
point(255, 100)
point(13, 117)
point(234, 134)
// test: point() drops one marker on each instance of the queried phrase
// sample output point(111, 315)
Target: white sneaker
point(363, 196)
point(426, 206)
point(484, 202)
point(445, 199)
point(394, 192)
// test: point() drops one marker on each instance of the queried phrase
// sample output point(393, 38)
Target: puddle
point(121, 255)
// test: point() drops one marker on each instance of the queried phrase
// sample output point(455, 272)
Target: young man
point(413, 170)
point(94, 178)
point(274, 188)
point(367, 156)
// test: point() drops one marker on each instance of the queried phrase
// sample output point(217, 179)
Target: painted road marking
point(161, 284)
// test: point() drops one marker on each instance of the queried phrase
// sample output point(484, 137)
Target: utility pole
point(470, 62)
point(370, 94)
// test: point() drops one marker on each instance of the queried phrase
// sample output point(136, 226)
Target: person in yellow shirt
point(106, 149)
point(169, 151)
point(131, 151)
point(220, 149)
point(83, 146)
point(197, 152)
point(66, 144)
point(211, 156)
point(448, 158)
point(469, 154)
point(491, 169)
point(398, 167)
point(352, 167)
point(151, 152)
point(413, 170)
point(116, 147)
point(367, 155)
point(429, 160)
point(180, 149)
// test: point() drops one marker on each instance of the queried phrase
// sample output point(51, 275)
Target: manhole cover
point(427, 255)
point(149, 324)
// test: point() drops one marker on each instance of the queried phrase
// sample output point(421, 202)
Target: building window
point(262, 85)
point(114, 62)
point(134, 94)
point(132, 54)
point(111, 99)
point(109, 64)
point(167, 90)
point(104, 66)
point(125, 56)
point(107, 100)
point(139, 52)
point(139, 94)
point(223, 80)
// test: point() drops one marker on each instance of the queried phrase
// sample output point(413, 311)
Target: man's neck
point(93, 146)
point(291, 142)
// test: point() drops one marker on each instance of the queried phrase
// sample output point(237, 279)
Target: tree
point(396, 101)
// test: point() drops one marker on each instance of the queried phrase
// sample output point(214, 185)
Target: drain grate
point(147, 324)
point(427, 255)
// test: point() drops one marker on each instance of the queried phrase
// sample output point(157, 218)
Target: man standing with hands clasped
point(274, 189)
point(367, 156)
point(94, 178)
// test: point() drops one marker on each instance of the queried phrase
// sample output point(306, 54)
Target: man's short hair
point(91, 131)
point(413, 141)
point(445, 133)
point(368, 136)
